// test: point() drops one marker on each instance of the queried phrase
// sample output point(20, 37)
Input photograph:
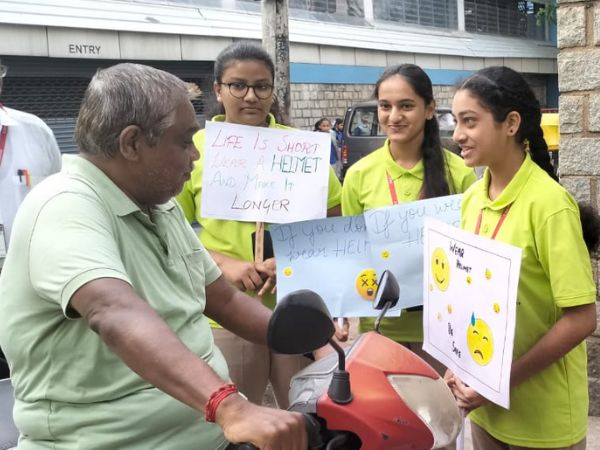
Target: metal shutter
point(52, 89)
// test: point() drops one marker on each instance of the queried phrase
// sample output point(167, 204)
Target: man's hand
point(266, 428)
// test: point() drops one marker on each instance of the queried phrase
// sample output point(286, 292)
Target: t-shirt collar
point(117, 200)
point(5, 119)
point(395, 170)
point(511, 191)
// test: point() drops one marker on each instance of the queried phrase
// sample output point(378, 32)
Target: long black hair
point(435, 183)
point(501, 90)
point(244, 51)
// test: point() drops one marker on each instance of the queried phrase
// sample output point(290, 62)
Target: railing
point(498, 17)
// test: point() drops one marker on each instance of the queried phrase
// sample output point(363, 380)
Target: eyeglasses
point(3, 71)
point(240, 90)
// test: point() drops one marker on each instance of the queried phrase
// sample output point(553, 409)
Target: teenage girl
point(519, 201)
point(411, 165)
point(244, 76)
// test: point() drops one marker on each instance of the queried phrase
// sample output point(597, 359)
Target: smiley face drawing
point(480, 341)
point(440, 269)
point(366, 284)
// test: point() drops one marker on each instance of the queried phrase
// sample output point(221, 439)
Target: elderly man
point(106, 291)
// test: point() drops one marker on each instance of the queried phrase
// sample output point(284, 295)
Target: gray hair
point(122, 95)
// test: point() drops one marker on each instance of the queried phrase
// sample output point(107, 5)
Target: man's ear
point(512, 123)
point(130, 140)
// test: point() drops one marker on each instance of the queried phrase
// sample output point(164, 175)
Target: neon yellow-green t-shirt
point(230, 237)
point(366, 187)
point(550, 409)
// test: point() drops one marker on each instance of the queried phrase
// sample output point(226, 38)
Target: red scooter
point(376, 395)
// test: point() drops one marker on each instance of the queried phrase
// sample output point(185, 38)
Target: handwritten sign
point(342, 258)
point(331, 257)
point(470, 295)
point(264, 174)
point(396, 237)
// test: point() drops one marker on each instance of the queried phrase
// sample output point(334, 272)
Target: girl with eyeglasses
point(519, 201)
point(244, 76)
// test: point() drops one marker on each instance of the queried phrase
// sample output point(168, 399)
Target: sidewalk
point(593, 437)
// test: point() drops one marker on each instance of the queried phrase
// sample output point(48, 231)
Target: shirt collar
point(5, 119)
point(117, 200)
point(511, 191)
point(395, 170)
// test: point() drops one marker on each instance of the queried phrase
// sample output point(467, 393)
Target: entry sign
point(257, 174)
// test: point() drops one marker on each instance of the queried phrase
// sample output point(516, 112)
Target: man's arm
point(139, 336)
point(239, 313)
point(147, 345)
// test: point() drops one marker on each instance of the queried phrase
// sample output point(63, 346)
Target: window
point(364, 122)
point(429, 13)
point(504, 17)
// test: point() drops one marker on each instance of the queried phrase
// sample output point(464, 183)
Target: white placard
point(469, 306)
point(257, 174)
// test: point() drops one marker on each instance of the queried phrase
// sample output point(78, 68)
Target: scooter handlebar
point(313, 429)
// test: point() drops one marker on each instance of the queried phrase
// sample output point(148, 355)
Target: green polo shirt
point(71, 391)
point(550, 409)
point(230, 237)
point(366, 187)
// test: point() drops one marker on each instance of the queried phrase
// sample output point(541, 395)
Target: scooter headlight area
point(432, 401)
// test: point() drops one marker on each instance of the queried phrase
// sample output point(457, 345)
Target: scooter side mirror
point(300, 324)
point(388, 291)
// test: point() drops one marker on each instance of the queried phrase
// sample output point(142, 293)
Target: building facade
point(579, 70)
point(338, 48)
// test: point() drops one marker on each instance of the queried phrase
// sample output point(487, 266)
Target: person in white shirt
point(28, 154)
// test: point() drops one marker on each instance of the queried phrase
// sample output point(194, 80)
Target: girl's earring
point(526, 145)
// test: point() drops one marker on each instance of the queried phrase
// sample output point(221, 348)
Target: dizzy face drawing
point(480, 341)
point(366, 284)
point(440, 269)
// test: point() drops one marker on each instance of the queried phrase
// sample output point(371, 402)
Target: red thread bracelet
point(215, 400)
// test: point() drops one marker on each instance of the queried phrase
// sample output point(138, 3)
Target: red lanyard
point(393, 194)
point(392, 189)
point(3, 135)
point(498, 225)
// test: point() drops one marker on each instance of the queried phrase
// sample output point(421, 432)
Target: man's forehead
point(185, 116)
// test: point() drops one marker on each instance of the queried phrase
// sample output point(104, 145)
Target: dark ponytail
point(435, 183)
point(538, 148)
point(502, 90)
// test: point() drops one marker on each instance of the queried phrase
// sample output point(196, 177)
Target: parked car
point(362, 133)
